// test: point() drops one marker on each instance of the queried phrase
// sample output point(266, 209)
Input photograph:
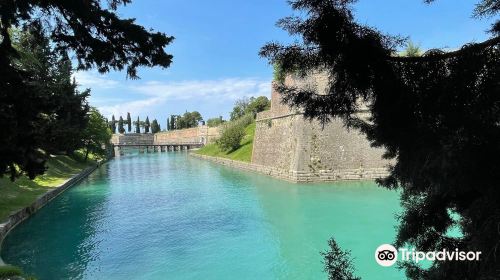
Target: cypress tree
point(138, 125)
point(113, 124)
point(146, 125)
point(129, 123)
point(155, 127)
point(173, 125)
point(168, 124)
point(121, 129)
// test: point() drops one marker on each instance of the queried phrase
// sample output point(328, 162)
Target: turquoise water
point(171, 216)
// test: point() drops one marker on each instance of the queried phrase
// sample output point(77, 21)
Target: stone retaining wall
point(301, 176)
point(284, 139)
point(21, 215)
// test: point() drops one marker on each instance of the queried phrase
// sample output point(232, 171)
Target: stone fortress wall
point(305, 151)
point(201, 134)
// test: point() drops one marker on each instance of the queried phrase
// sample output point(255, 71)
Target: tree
point(257, 105)
point(250, 105)
point(155, 127)
point(64, 107)
point(190, 119)
point(230, 137)
point(168, 124)
point(129, 123)
point(97, 37)
point(147, 125)
point(138, 125)
point(113, 124)
point(121, 129)
point(239, 108)
point(232, 133)
point(412, 50)
point(96, 135)
point(213, 122)
point(338, 263)
point(433, 114)
point(173, 125)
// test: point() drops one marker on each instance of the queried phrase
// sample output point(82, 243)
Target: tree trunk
point(86, 154)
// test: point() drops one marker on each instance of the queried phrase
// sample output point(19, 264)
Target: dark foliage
point(138, 126)
point(188, 120)
point(97, 37)
point(250, 105)
point(338, 263)
point(437, 115)
point(155, 126)
point(129, 123)
point(173, 124)
point(121, 128)
point(112, 124)
point(147, 125)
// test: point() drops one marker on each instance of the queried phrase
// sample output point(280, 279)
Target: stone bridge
point(177, 140)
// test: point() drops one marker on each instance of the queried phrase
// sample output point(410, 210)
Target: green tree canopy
point(213, 122)
point(129, 123)
point(257, 105)
point(97, 37)
point(188, 120)
point(121, 128)
point(96, 135)
point(250, 105)
point(436, 115)
point(155, 127)
point(65, 108)
point(113, 124)
point(173, 124)
point(147, 125)
point(137, 125)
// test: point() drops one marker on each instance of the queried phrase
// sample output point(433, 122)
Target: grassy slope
point(243, 153)
point(22, 192)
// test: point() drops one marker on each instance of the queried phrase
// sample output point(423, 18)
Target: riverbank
point(300, 176)
point(22, 192)
point(25, 197)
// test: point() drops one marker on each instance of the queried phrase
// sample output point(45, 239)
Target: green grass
point(9, 271)
point(243, 153)
point(21, 193)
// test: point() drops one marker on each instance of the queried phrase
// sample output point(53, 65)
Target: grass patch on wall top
point(243, 153)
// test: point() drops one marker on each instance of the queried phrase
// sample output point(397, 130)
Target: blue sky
point(217, 42)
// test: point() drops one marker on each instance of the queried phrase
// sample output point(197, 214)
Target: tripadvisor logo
point(387, 255)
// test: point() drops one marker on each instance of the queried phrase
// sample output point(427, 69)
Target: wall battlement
point(286, 141)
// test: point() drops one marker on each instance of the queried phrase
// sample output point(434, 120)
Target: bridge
point(149, 143)
point(155, 147)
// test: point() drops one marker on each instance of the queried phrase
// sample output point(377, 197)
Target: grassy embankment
point(243, 153)
point(21, 193)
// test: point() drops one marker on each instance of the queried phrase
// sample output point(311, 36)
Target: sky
point(217, 42)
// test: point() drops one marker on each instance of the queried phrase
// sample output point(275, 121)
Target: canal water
point(172, 216)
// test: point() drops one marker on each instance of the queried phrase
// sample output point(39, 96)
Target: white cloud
point(137, 106)
point(231, 89)
point(155, 94)
point(94, 80)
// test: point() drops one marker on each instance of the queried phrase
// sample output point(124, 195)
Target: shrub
point(230, 137)
point(233, 132)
